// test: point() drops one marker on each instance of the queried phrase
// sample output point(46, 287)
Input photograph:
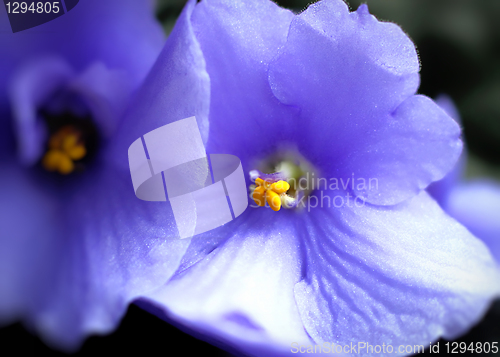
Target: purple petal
point(441, 189)
point(239, 40)
point(85, 265)
point(241, 294)
point(212, 334)
point(50, 84)
point(352, 77)
point(476, 205)
point(447, 104)
point(402, 275)
point(32, 86)
point(95, 29)
point(176, 88)
point(419, 145)
point(28, 245)
point(69, 263)
point(105, 92)
point(113, 262)
point(98, 264)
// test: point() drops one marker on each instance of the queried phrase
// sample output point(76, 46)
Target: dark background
point(458, 42)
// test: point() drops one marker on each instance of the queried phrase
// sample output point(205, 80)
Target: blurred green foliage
point(167, 12)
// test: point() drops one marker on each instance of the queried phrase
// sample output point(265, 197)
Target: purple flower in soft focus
point(330, 93)
point(75, 249)
point(474, 203)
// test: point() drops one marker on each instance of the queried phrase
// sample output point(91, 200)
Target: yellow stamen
point(69, 141)
point(280, 187)
point(64, 148)
point(56, 160)
point(273, 199)
point(55, 141)
point(51, 160)
point(258, 195)
point(270, 192)
point(66, 166)
point(259, 181)
point(77, 152)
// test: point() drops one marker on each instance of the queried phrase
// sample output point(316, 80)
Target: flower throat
point(283, 188)
point(72, 143)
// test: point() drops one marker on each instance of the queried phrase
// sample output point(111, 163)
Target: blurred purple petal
point(70, 260)
point(92, 265)
point(476, 204)
point(441, 189)
point(95, 29)
point(49, 84)
point(106, 262)
point(31, 88)
point(105, 92)
point(29, 219)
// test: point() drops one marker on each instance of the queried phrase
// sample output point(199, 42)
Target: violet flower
point(76, 246)
point(332, 93)
point(474, 203)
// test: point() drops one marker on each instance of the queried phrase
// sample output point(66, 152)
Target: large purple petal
point(352, 77)
point(239, 40)
point(408, 274)
point(476, 205)
point(72, 266)
point(241, 294)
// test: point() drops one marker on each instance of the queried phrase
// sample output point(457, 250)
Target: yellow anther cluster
point(270, 192)
point(65, 147)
